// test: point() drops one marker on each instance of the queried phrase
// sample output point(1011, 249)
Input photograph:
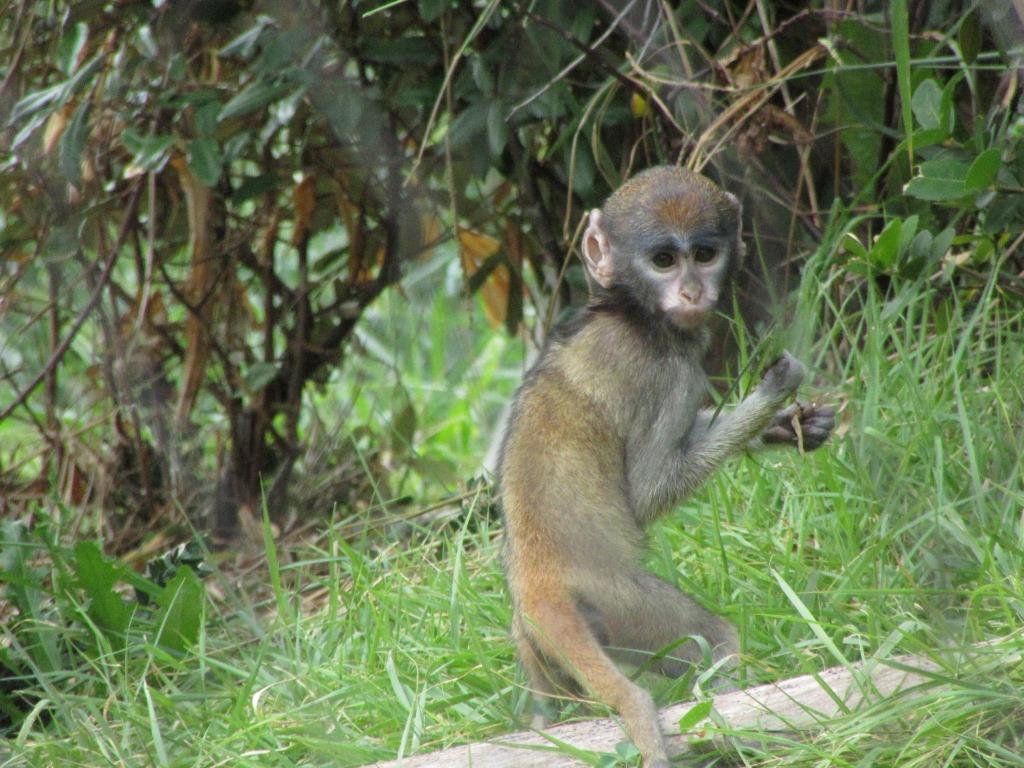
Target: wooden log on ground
point(787, 706)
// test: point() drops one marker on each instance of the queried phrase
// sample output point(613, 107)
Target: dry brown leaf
point(196, 289)
point(358, 266)
point(55, 126)
point(304, 200)
point(474, 249)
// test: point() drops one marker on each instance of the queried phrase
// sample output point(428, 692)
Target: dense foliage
point(237, 239)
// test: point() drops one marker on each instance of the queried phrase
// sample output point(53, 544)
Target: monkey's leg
point(546, 681)
point(642, 614)
point(564, 635)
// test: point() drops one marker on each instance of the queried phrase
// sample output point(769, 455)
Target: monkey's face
point(669, 241)
point(687, 274)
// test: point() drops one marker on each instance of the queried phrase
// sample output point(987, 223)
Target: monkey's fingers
point(782, 433)
point(816, 423)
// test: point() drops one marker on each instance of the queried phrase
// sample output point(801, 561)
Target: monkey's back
point(563, 471)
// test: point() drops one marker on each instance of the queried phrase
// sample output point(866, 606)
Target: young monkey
point(607, 432)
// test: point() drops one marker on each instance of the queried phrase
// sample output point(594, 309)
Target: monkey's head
point(667, 240)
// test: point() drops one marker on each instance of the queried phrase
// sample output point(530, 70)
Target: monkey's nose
point(691, 295)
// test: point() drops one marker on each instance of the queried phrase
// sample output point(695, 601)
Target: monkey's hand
point(805, 425)
point(783, 378)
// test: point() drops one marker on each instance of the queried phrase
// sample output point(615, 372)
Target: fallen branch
point(791, 705)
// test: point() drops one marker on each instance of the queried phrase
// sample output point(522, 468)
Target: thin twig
point(108, 267)
point(587, 53)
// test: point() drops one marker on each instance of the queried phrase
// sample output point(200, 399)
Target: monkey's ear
point(741, 248)
point(597, 253)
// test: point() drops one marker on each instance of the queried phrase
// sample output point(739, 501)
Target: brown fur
point(606, 433)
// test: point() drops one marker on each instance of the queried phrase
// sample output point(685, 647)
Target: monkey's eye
point(663, 259)
point(703, 254)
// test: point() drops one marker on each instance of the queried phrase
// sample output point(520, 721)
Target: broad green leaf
point(852, 245)
point(70, 47)
point(431, 9)
point(940, 179)
point(246, 44)
point(181, 610)
point(72, 143)
point(497, 128)
point(207, 116)
point(469, 124)
point(55, 95)
point(886, 247)
point(942, 243)
point(694, 715)
point(403, 50)
point(983, 170)
point(256, 96)
point(969, 37)
point(927, 104)
point(205, 160)
point(34, 102)
point(945, 168)
point(921, 245)
point(97, 576)
point(936, 190)
point(907, 231)
point(148, 152)
point(403, 426)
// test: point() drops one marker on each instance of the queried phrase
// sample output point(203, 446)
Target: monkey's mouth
point(688, 316)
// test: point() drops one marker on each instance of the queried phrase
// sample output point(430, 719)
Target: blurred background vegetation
point(270, 270)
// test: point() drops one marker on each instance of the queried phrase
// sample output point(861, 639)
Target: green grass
point(904, 535)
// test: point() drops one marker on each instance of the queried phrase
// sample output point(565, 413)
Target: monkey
point(609, 430)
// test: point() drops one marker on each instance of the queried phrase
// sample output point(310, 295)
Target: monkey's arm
point(662, 473)
point(802, 425)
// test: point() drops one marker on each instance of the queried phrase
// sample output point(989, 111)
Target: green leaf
point(256, 96)
point(207, 116)
point(969, 37)
point(254, 186)
point(469, 124)
point(35, 101)
point(148, 152)
point(907, 231)
point(935, 190)
point(938, 180)
point(72, 143)
point(181, 611)
point(403, 426)
point(205, 160)
point(70, 47)
point(850, 243)
point(497, 128)
point(942, 243)
point(246, 44)
point(431, 9)
point(402, 50)
point(97, 575)
point(694, 715)
point(921, 245)
point(886, 247)
point(983, 171)
point(927, 104)
point(901, 49)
